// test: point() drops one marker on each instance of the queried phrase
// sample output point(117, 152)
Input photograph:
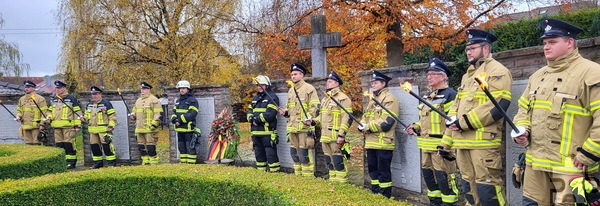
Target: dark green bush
point(19, 161)
point(182, 185)
point(511, 35)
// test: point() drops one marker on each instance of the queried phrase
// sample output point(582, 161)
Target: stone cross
point(317, 42)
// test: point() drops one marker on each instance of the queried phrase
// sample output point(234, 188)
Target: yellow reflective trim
point(541, 104)
point(477, 143)
point(595, 105)
point(524, 102)
point(193, 108)
point(566, 134)
point(272, 106)
point(501, 94)
point(259, 110)
point(570, 108)
point(474, 119)
point(524, 123)
point(591, 146)
point(434, 193)
point(567, 166)
point(448, 105)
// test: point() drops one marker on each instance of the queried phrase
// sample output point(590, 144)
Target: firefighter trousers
point(265, 153)
point(481, 172)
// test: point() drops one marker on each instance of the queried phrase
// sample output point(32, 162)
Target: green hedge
point(182, 185)
point(19, 161)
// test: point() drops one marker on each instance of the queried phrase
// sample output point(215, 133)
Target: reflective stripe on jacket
point(264, 111)
point(333, 120)
point(560, 109)
point(61, 115)
point(100, 115)
point(186, 110)
point(30, 113)
point(480, 121)
point(147, 111)
point(310, 102)
point(382, 135)
point(431, 125)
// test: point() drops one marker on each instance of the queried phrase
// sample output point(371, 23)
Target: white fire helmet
point(262, 79)
point(183, 83)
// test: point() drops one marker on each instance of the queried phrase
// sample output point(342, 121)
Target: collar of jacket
point(383, 90)
point(479, 63)
point(185, 96)
point(434, 92)
point(62, 96)
point(561, 63)
point(333, 91)
point(299, 84)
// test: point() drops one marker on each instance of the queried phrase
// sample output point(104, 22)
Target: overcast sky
point(31, 25)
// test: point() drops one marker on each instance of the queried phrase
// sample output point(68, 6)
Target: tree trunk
point(394, 46)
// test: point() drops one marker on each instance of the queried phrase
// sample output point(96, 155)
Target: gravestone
point(283, 148)
point(121, 131)
point(407, 157)
point(9, 127)
point(206, 114)
point(512, 149)
point(317, 42)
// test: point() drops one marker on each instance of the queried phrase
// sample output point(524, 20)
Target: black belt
point(436, 135)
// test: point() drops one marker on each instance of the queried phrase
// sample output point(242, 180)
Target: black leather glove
point(174, 120)
point(108, 138)
point(445, 154)
point(274, 141)
point(42, 136)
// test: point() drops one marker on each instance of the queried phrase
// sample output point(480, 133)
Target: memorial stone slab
point(406, 166)
point(206, 114)
point(121, 131)
point(512, 149)
point(283, 148)
point(9, 127)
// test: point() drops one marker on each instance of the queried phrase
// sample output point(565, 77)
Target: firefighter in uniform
point(262, 115)
point(438, 172)
point(184, 121)
point(334, 123)
point(102, 119)
point(30, 112)
point(301, 136)
point(558, 113)
point(378, 127)
point(65, 117)
point(476, 131)
point(146, 114)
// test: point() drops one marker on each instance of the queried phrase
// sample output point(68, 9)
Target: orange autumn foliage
point(367, 27)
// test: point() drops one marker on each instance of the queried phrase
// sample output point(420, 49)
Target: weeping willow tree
point(10, 58)
point(117, 43)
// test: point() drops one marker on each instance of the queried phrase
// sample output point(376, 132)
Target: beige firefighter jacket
point(310, 102)
point(100, 115)
point(480, 121)
point(147, 111)
point(333, 120)
point(559, 107)
point(381, 134)
point(29, 113)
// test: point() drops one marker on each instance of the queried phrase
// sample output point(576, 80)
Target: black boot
point(71, 164)
point(98, 164)
point(112, 163)
point(375, 189)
